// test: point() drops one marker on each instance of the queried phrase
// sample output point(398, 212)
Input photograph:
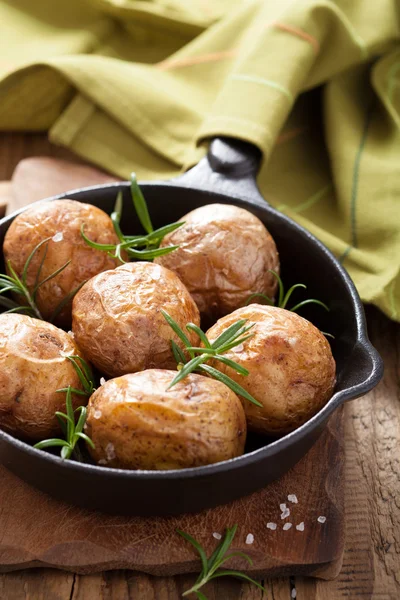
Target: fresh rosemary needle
point(136, 247)
point(19, 286)
point(283, 298)
point(72, 429)
point(198, 356)
point(211, 567)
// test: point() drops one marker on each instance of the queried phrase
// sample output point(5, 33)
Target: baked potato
point(290, 364)
point(60, 220)
point(33, 366)
point(117, 319)
point(136, 423)
point(224, 256)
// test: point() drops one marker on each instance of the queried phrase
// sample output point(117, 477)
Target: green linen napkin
point(144, 84)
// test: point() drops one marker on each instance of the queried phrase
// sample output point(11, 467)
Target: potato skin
point(33, 365)
point(292, 370)
point(136, 424)
point(46, 219)
point(117, 320)
point(224, 256)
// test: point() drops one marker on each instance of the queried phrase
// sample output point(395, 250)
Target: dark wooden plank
point(373, 430)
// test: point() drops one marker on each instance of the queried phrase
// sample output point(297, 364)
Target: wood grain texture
point(372, 492)
point(42, 177)
point(40, 531)
point(48, 536)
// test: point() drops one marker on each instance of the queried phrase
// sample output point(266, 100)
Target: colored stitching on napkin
point(267, 82)
point(288, 135)
point(309, 202)
point(307, 37)
point(356, 178)
point(194, 60)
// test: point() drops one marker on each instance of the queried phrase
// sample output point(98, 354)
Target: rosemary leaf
point(160, 233)
point(191, 366)
point(228, 334)
point(241, 340)
point(221, 549)
point(29, 260)
point(57, 272)
point(50, 442)
point(310, 301)
point(211, 567)
point(65, 301)
point(290, 292)
point(178, 353)
point(238, 575)
point(95, 245)
point(140, 205)
point(235, 387)
point(263, 296)
point(231, 363)
point(175, 327)
point(202, 554)
point(200, 333)
point(116, 215)
point(8, 303)
point(87, 439)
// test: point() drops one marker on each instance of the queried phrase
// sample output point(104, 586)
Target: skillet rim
point(368, 353)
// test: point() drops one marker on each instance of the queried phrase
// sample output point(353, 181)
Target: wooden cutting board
point(36, 530)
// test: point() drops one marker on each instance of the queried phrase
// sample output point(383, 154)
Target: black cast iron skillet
point(226, 175)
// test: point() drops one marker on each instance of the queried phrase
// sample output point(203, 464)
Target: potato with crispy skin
point(136, 423)
point(33, 366)
point(117, 319)
point(60, 220)
point(290, 364)
point(224, 256)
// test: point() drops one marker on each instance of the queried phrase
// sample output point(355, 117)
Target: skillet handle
point(230, 168)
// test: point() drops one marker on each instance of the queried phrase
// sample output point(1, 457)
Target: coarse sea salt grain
point(238, 348)
point(286, 526)
point(102, 381)
point(97, 414)
point(282, 506)
point(102, 461)
point(271, 526)
point(294, 593)
point(292, 498)
point(250, 538)
point(321, 519)
point(217, 535)
point(155, 273)
point(300, 526)
point(285, 513)
point(58, 237)
point(110, 451)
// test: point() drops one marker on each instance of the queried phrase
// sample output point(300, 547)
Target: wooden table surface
point(371, 565)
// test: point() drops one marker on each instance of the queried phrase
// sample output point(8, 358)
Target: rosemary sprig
point(137, 247)
point(18, 285)
point(73, 431)
point(85, 375)
point(283, 298)
point(211, 567)
point(233, 336)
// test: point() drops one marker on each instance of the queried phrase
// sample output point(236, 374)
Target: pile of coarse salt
point(285, 513)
